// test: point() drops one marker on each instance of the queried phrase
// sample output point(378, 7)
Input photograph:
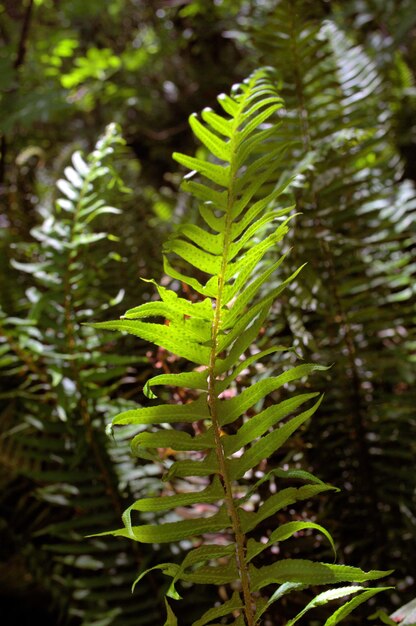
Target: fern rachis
point(214, 333)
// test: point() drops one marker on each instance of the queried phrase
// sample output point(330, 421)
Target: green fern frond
point(228, 254)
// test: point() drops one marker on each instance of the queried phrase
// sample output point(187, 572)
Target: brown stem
point(24, 34)
point(3, 153)
point(232, 511)
point(212, 400)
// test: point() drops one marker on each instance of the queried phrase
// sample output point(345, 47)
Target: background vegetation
point(71, 72)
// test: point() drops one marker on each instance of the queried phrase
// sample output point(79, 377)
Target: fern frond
point(228, 254)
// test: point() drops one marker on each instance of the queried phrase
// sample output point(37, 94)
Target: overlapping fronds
point(219, 436)
point(355, 307)
point(393, 50)
point(58, 382)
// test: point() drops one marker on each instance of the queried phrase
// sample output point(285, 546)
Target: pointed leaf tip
point(171, 619)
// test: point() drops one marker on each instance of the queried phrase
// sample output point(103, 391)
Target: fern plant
point(355, 306)
point(216, 445)
point(59, 378)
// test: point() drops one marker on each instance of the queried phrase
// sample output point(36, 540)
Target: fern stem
point(70, 337)
point(232, 511)
point(239, 536)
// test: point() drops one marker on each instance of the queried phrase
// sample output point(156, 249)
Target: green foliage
point(66, 70)
point(387, 31)
point(59, 378)
point(215, 329)
point(354, 307)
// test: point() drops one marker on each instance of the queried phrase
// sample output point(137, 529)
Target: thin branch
point(24, 35)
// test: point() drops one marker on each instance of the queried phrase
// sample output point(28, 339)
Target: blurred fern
point(221, 439)
point(59, 378)
point(355, 305)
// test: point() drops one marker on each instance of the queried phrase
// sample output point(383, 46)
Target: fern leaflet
point(214, 333)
